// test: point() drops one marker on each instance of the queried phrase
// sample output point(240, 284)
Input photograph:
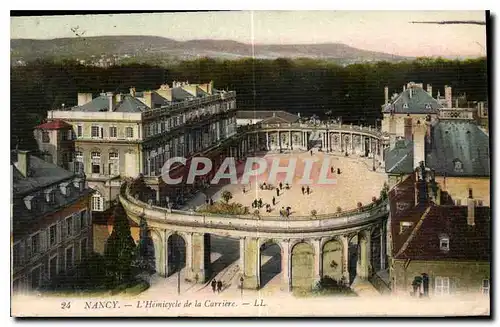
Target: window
point(95, 131)
point(51, 197)
point(458, 202)
point(17, 255)
point(113, 155)
point(428, 106)
point(45, 137)
point(83, 249)
point(69, 258)
point(97, 202)
point(95, 155)
point(53, 267)
point(112, 131)
point(79, 131)
point(96, 168)
point(479, 203)
point(69, 226)
point(444, 243)
point(36, 277)
point(79, 156)
point(486, 286)
point(83, 219)
point(52, 235)
point(442, 286)
point(405, 105)
point(36, 243)
point(129, 132)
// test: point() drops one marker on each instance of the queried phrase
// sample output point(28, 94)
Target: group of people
point(216, 286)
point(209, 201)
point(285, 212)
point(257, 203)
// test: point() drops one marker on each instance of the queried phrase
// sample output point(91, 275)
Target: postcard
point(250, 164)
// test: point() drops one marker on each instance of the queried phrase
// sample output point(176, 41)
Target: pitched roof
point(399, 160)
point(54, 124)
point(465, 242)
point(458, 140)
point(414, 100)
point(127, 103)
point(42, 174)
point(263, 114)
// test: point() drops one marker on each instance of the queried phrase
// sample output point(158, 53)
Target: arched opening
point(270, 263)
point(332, 260)
point(224, 253)
point(302, 266)
point(353, 257)
point(375, 244)
point(176, 248)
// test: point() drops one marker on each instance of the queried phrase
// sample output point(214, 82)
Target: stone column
point(285, 264)
point(318, 260)
point(242, 256)
point(189, 256)
point(199, 267)
point(251, 271)
point(371, 147)
point(364, 254)
point(267, 142)
point(290, 142)
point(345, 257)
point(279, 140)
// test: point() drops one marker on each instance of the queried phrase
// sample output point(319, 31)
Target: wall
point(465, 277)
point(458, 188)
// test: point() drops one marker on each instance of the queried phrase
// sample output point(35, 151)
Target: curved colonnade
point(338, 245)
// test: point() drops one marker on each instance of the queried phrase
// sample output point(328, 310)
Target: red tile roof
point(54, 124)
point(465, 242)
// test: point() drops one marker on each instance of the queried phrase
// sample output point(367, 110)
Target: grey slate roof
point(458, 140)
point(101, 103)
point(264, 114)
point(42, 174)
point(416, 104)
point(399, 160)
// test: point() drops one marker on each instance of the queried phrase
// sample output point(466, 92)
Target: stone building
point(437, 249)
point(124, 135)
point(51, 221)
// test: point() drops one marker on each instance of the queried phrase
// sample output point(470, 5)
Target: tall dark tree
point(120, 247)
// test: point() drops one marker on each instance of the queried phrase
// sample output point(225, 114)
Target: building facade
point(51, 221)
point(124, 135)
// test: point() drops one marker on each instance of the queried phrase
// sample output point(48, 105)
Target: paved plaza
point(357, 182)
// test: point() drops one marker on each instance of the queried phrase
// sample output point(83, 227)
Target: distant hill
point(147, 46)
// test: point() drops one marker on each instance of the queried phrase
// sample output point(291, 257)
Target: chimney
point(404, 87)
point(210, 87)
point(411, 91)
point(148, 98)
point(84, 98)
point(23, 162)
point(118, 98)
point(132, 91)
point(429, 89)
point(386, 94)
point(447, 96)
point(111, 99)
point(471, 206)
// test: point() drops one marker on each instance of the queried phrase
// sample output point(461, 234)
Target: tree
point(120, 247)
point(226, 196)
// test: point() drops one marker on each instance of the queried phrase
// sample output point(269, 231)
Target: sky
point(384, 31)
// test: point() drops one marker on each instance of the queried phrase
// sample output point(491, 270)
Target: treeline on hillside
point(354, 92)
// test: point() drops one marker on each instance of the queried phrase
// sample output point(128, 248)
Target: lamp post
point(241, 285)
point(374, 148)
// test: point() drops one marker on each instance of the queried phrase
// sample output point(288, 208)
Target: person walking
point(214, 285)
point(331, 170)
point(274, 201)
point(311, 153)
point(303, 190)
point(338, 171)
point(260, 203)
point(277, 192)
point(308, 190)
point(281, 186)
point(219, 286)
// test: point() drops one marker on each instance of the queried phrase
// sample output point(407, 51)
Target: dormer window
point(404, 226)
point(428, 106)
point(50, 196)
point(65, 189)
point(458, 166)
point(29, 202)
point(405, 105)
point(444, 243)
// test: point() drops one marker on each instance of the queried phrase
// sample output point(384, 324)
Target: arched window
point(97, 202)
point(458, 166)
